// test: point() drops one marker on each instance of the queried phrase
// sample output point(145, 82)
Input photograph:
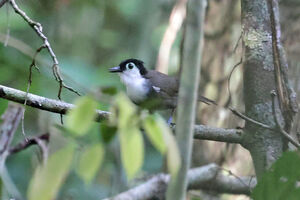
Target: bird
point(149, 88)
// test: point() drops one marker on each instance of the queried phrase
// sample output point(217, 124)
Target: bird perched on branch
point(149, 88)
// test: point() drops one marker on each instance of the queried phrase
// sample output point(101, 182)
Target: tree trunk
point(264, 145)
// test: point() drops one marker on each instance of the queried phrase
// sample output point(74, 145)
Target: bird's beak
point(115, 69)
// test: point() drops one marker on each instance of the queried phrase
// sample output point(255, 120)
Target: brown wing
point(166, 83)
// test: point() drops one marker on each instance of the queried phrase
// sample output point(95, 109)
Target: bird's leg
point(171, 118)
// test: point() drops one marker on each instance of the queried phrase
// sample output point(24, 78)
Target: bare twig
point(206, 177)
point(244, 117)
point(278, 124)
point(238, 178)
point(237, 44)
point(27, 143)
point(37, 27)
point(230, 74)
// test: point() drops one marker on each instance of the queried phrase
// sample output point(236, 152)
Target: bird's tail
point(206, 100)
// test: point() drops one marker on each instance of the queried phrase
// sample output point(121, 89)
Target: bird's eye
point(130, 65)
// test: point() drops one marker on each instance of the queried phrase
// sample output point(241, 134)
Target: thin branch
point(33, 64)
point(207, 177)
point(230, 74)
point(279, 126)
point(244, 117)
point(27, 143)
point(37, 27)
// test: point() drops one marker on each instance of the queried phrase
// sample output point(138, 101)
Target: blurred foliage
point(282, 181)
point(88, 37)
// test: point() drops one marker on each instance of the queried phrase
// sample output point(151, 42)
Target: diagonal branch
point(27, 143)
point(37, 27)
point(208, 177)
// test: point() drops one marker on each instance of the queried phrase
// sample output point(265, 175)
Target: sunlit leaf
point(89, 162)
point(80, 119)
point(131, 140)
point(155, 132)
point(126, 110)
point(132, 150)
point(47, 179)
point(282, 181)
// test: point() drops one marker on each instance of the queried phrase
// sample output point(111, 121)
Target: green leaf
point(281, 181)
point(107, 132)
point(155, 132)
point(80, 119)
point(132, 150)
point(89, 162)
point(131, 140)
point(126, 111)
point(47, 179)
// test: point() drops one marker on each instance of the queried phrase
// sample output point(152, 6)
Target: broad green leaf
point(126, 111)
point(132, 150)
point(80, 119)
point(131, 140)
point(89, 162)
point(282, 181)
point(47, 179)
point(155, 132)
point(107, 132)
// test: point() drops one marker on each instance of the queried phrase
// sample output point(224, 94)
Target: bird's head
point(130, 68)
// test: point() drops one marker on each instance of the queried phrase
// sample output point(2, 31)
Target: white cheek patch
point(157, 89)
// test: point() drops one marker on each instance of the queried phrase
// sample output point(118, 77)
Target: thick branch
point(208, 177)
point(42, 102)
point(218, 134)
point(200, 131)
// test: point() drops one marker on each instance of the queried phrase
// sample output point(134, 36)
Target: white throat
point(136, 85)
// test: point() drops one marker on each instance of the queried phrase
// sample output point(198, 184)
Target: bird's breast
point(137, 90)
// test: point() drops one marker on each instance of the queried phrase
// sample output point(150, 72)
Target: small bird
point(149, 88)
